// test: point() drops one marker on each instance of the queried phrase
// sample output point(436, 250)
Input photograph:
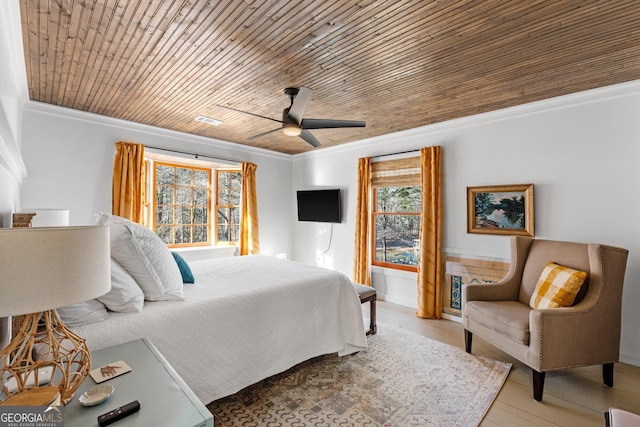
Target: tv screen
point(319, 205)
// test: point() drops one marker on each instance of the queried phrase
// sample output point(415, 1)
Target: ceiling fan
point(293, 122)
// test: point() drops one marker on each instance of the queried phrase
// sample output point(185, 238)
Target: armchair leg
point(468, 338)
point(607, 374)
point(538, 384)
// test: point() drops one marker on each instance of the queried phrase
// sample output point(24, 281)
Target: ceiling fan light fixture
point(293, 121)
point(291, 129)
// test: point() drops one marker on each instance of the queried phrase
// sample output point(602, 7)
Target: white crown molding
point(230, 148)
point(379, 145)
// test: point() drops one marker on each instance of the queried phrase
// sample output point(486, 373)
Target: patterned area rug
point(403, 379)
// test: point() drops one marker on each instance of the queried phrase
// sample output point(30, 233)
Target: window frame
point(374, 214)
point(155, 204)
point(218, 205)
point(399, 172)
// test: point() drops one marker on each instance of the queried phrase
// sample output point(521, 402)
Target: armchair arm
point(507, 289)
point(582, 335)
point(504, 290)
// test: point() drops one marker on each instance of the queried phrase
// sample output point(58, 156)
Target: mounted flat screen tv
point(319, 205)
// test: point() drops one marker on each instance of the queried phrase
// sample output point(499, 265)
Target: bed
point(246, 318)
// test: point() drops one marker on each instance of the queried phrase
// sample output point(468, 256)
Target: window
point(397, 207)
point(228, 185)
point(193, 202)
point(182, 204)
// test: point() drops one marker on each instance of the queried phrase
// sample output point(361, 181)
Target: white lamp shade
point(46, 268)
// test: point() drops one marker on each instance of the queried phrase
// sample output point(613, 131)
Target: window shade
point(400, 172)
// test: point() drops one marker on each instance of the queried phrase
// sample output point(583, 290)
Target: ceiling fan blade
point(299, 105)
point(263, 133)
point(246, 112)
point(307, 136)
point(329, 124)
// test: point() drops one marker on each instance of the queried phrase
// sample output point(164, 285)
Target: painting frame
point(520, 219)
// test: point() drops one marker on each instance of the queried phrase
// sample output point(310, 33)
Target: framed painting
point(500, 209)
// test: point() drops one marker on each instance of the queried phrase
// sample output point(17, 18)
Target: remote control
point(118, 413)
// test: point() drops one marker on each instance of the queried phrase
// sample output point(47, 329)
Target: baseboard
point(412, 304)
point(451, 317)
point(630, 359)
point(399, 301)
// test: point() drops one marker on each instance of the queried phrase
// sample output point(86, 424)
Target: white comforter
point(245, 319)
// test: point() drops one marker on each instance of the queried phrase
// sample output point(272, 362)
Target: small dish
point(96, 395)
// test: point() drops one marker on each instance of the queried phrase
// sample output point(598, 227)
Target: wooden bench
point(368, 293)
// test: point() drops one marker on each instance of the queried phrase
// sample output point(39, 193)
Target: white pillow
point(108, 219)
point(145, 257)
point(82, 313)
point(125, 295)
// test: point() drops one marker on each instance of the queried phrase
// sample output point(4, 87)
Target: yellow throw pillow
point(557, 287)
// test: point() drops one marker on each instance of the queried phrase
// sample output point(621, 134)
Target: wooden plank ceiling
point(397, 64)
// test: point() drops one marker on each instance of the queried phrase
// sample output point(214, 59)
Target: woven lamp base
point(45, 335)
point(40, 396)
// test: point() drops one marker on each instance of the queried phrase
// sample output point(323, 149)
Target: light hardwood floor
point(573, 397)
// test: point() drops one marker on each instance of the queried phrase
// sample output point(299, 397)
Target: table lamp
point(42, 269)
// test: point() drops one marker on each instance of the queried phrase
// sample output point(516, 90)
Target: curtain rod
point(393, 154)
point(197, 156)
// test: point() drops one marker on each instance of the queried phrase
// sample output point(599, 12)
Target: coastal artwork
point(506, 209)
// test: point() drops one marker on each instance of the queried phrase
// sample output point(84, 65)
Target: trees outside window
point(194, 203)
point(397, 206)
point(228, 195)
point(182, 204)
point(396, 219)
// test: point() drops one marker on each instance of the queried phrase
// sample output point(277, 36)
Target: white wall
point(69, 157)
point(581, 151)
point(8, 197)
point(12, 169)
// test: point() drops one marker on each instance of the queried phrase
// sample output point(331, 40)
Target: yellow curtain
point(361, 261)
point(129, 182)
point(430, 262)
point(249, 237)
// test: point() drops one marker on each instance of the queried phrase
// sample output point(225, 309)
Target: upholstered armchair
point(582, 334)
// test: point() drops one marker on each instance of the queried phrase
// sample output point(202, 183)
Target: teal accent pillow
point(185, 270)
